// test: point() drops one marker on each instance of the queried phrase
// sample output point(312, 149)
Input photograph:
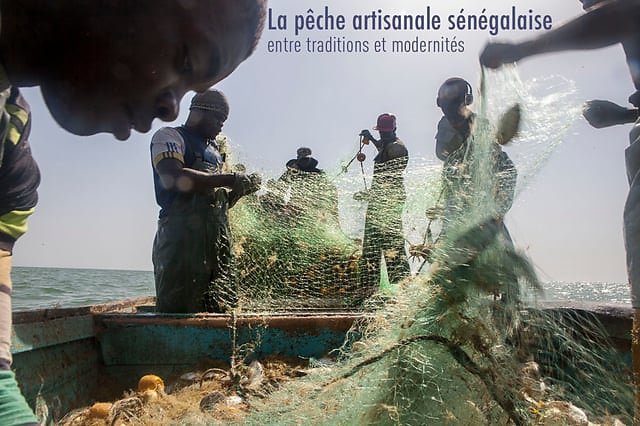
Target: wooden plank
point(36, 315)
point(47, 327)
point(189, 340)
point(339, 321)
point(65, 376)
point(31, 336)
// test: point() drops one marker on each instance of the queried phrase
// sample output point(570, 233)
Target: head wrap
point(211, 100)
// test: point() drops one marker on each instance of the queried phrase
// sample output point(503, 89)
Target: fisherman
point(455, 147)
point(383, 233)
point(192, 257)
point(310, 188)
point(94, 79)
point(604, 25)
point(304, 162)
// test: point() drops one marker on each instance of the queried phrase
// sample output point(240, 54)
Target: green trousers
point(13, 407)
point(192, 259)
point(383, 235)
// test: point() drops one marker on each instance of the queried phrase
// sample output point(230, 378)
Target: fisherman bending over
point(455, 146)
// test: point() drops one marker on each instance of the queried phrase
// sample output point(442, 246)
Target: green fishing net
point(462, 340)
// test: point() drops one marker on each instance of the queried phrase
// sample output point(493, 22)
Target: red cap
point(386, 123)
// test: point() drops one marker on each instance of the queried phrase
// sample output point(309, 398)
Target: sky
point(97, 208)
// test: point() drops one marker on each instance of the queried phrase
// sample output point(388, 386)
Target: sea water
point(37, 288)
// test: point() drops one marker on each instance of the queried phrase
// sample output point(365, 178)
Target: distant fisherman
point(455, 147)
point(311, 191)
point(383, 232)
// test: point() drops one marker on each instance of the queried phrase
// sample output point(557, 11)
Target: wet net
point(458, 343)
point(294, 247)
point(458, 339)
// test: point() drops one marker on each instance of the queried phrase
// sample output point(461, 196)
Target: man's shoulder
point(166, 133)
point(15, 98)
point(398, 148)
point(444, 123)
point(167, 130)
point(167, 142)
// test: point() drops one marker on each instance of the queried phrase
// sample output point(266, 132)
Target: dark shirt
point(388, 169)
point(458, 179)
point(19, 173)
point(193, 151)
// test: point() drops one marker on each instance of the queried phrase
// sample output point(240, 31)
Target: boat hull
point(70, 358)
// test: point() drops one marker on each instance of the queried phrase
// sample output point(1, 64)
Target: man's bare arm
point(174, 176)
point(608, 24)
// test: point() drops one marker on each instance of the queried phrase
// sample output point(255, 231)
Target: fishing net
point(294, 247)
point(461, 340)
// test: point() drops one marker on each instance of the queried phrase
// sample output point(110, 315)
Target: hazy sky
point(97, 208)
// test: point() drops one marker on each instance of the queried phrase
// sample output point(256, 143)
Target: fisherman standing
point(383, 231)
point(607, 24)
point(192, 258)
point(455, 146)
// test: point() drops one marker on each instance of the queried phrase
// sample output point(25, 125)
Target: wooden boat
point(69, 358)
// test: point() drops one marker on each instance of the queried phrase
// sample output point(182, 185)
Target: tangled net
point(461, 341)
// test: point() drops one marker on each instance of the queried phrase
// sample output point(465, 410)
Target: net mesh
point(455, 343)
point(294, 247)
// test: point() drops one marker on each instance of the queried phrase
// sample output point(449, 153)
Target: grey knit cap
point(211, 100)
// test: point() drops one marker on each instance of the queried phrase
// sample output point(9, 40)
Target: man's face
point(452, 110)
point(138, 59)
point(207, 124)
point(451, 100)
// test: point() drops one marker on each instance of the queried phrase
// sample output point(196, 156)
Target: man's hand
point(495, 55)
point(634, 99)
point(366, 136)
point(244, 184)
point(604, 114)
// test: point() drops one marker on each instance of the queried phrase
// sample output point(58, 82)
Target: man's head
point(386, 124)
point(303, 152)
point(207, 113)
point(303, 161)
point(454, 95)
point(119, 65)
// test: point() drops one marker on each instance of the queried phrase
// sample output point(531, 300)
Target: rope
point(346, 167)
